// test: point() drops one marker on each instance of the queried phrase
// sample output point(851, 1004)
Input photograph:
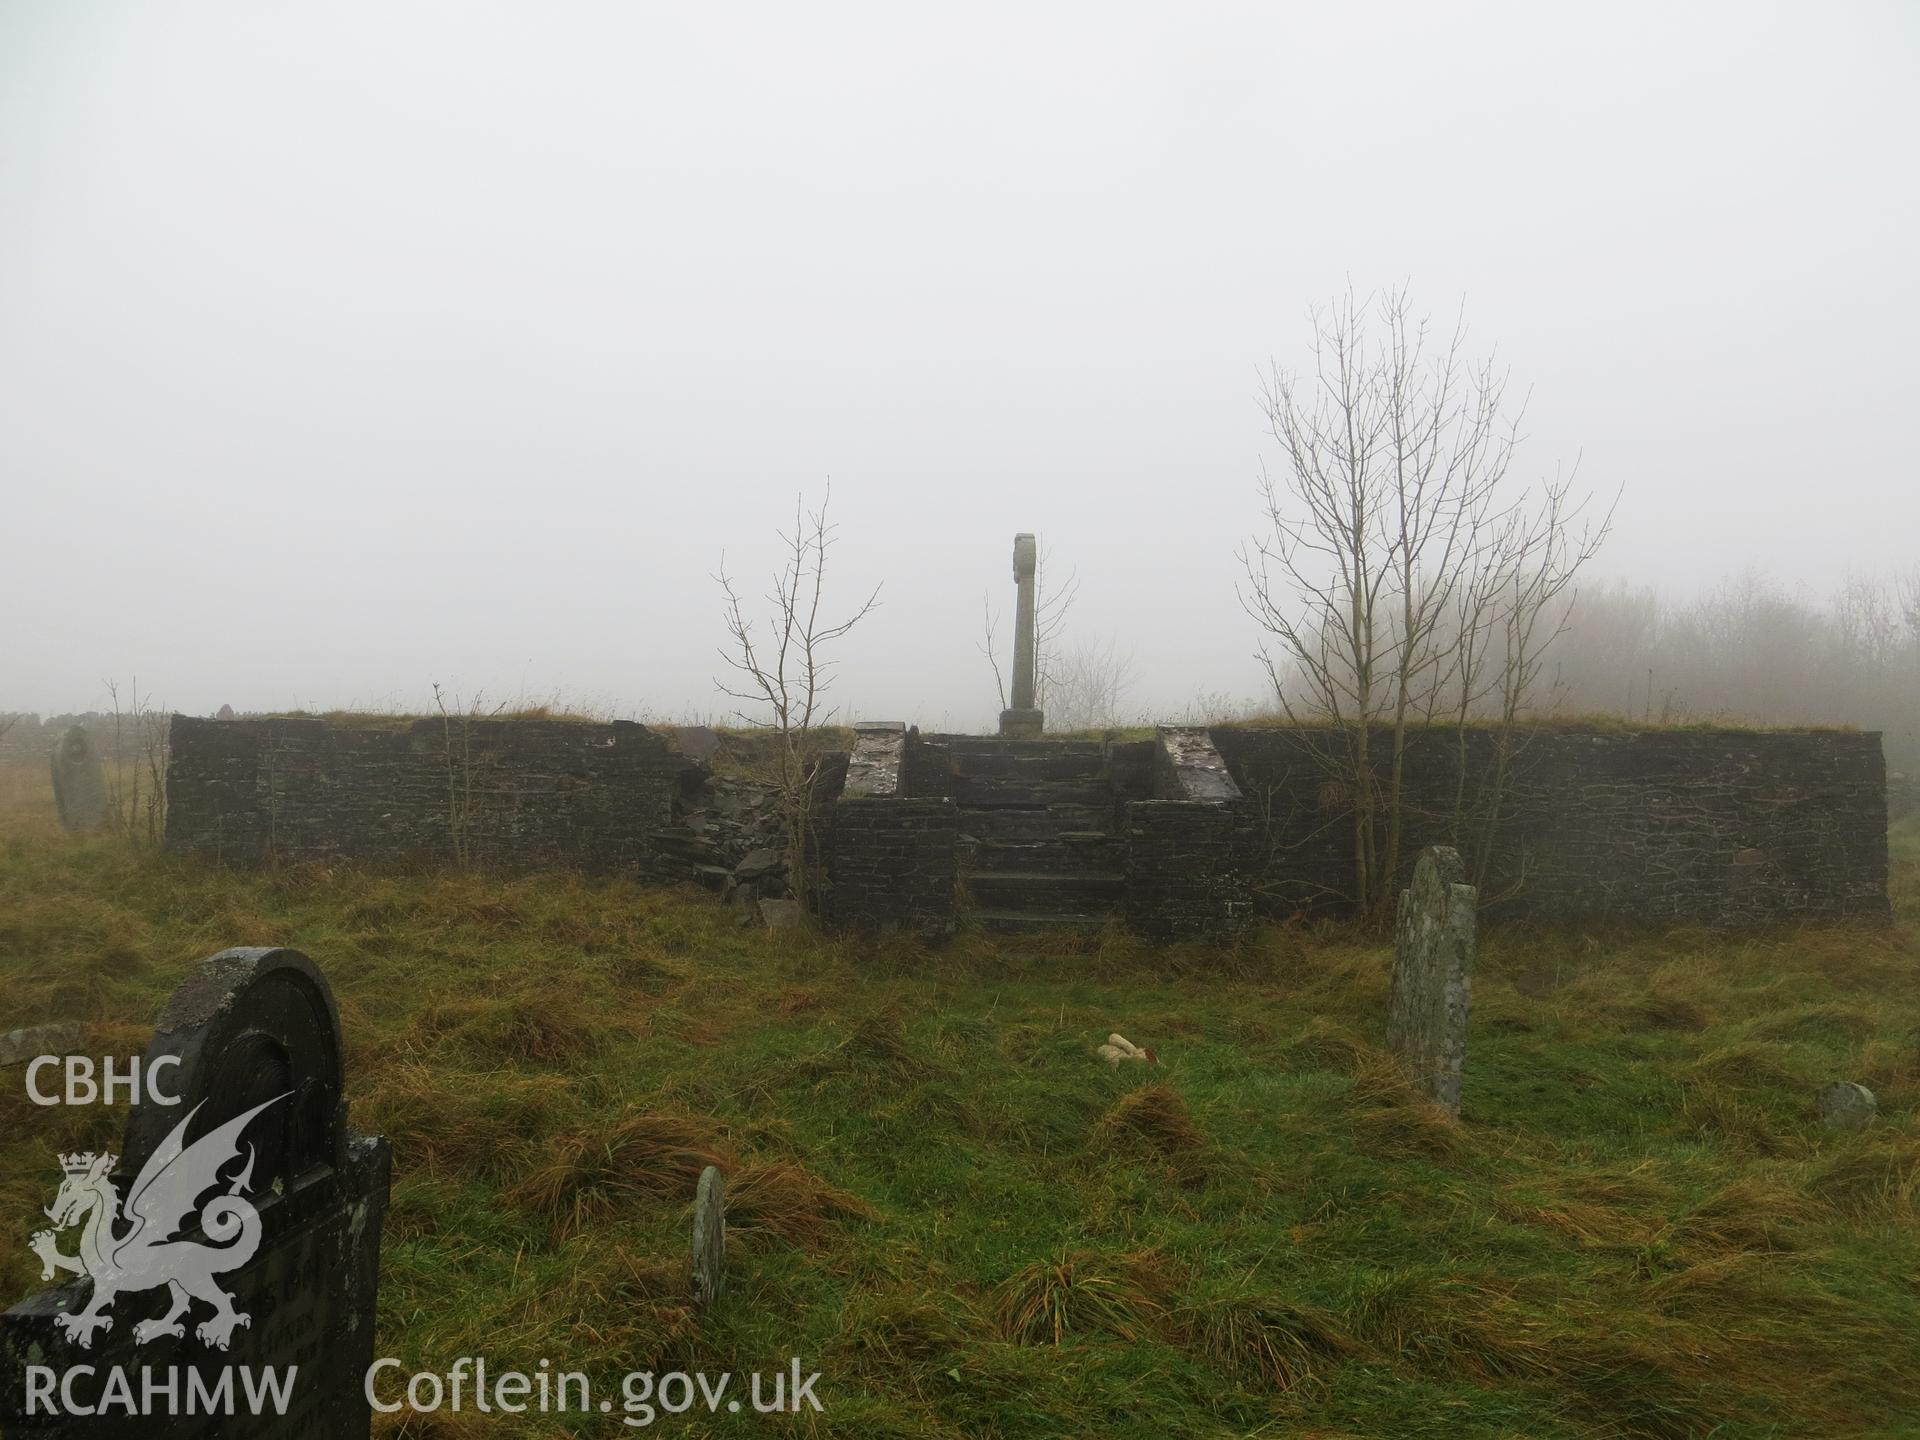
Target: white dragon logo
point(146, 1256)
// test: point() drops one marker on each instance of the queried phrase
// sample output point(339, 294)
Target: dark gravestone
point(1433, 974)
point(709, 1238)
point(272, 1212)
point(79, 782)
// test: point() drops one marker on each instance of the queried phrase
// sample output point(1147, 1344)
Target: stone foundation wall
point(893, 853)
point(1187, 850)
point(516, 793)
point(1716, 827)
point(893, 864)
point(1184, 870)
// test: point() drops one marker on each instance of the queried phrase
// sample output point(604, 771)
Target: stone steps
point(1040, 822)
point(991, 792)
point(990, 746)
point(1084, 765)
point(1037, 850)
point(1027, 922)
point(1065, 853)
point(1083, 892)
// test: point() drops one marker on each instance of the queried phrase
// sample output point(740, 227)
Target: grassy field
point(944, 1202)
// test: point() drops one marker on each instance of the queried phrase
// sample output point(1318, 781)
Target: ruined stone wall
point(516, 793)
point(1718, 827)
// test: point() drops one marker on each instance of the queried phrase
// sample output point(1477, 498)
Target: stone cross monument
point(1023, 720)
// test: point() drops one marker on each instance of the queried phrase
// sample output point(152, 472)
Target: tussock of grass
point(1076, 1293)
point(894, 1333)
point(1746, 1066)
point(1756, 1214)
point(1391, 1118)
point(1440, 1324)
point(467, 1126)
point(1325, 1045)
point(545, 1030)
point(1876, 1177)
point(436, 1425)
point(785, 1200)
point(1843, 1023)
point(1260, 1337)
point(1733, 1119)
point(1154, 1120)
point(587, 1176)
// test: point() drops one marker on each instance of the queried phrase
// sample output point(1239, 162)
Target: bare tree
point(1089, 679)
point(1391, 560)
point(989, 646)
point(1052, 603)
point(137, 776)
point(783, 671)
point(456, 739)
point(1515, 605)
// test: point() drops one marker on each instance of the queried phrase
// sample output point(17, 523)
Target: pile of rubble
point(726, 835)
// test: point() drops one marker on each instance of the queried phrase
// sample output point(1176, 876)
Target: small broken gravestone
point(1433, 974)
point(79, 781)
point(1844, 1105)
point(19, 1047)
point(259, 1307)
point(709, 1238)
point(782, 914)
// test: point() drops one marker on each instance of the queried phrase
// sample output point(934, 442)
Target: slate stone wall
point(1716, 827)
point(893, 863)
point(1185, 874)
point(515, 793)
point(1188, 848)
point(928, 758)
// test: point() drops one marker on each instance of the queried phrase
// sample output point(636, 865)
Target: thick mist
point(349, 349)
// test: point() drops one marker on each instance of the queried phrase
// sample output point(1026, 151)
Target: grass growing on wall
point(943, 1201)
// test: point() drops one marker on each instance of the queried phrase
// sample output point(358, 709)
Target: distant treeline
point(1749, 650)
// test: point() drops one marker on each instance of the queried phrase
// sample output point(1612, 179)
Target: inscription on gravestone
point(79, 781)
point(237, 1232)
point(1432, 974)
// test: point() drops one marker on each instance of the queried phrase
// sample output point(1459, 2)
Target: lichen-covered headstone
point(1433, 973)
point(709, 1238)
point(1846, 1106)
point(267, 1210)
point(79, 782)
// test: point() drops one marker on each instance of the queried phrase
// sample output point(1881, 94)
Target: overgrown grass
point(944, 1201)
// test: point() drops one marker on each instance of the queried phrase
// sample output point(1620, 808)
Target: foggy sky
point(345, 348)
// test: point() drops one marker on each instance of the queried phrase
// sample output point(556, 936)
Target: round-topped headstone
point(1846, 1106)
point(79, 781)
